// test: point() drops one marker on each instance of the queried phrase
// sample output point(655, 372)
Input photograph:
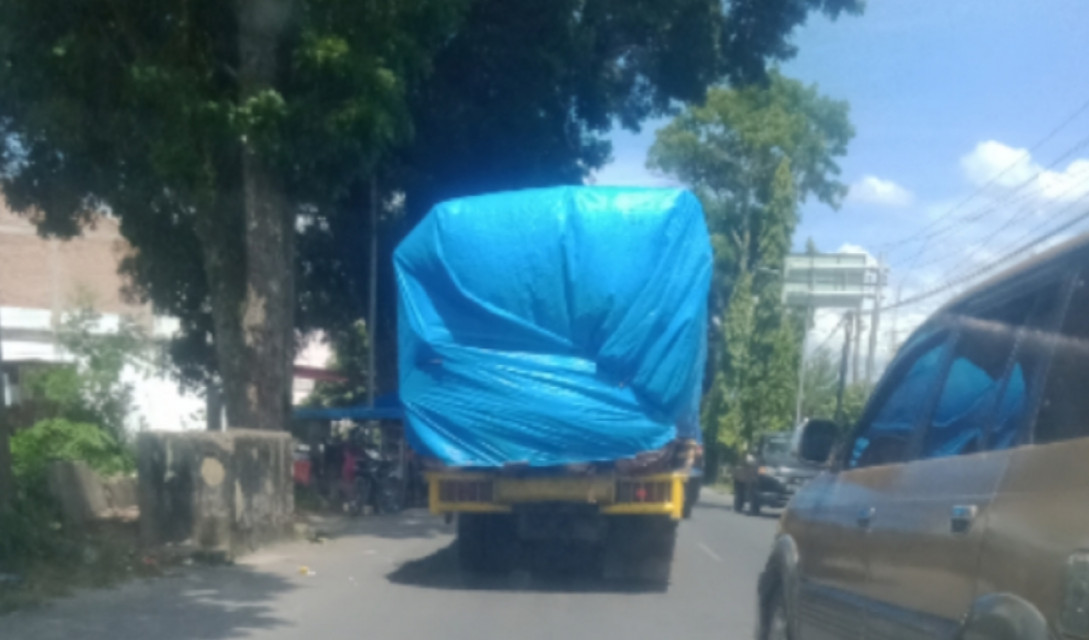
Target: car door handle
point(961, 517)
point(865, 517)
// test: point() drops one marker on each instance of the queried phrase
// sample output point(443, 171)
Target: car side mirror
point(815, 440)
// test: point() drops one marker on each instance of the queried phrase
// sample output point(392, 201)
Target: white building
point(40, 280)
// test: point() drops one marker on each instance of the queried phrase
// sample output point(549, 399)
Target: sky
point(972, 140)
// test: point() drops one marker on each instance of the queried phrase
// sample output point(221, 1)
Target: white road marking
point(708, 551)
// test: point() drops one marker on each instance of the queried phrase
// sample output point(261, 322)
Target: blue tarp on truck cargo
point(553, 326)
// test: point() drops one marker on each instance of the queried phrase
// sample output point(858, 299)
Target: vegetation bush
point(76, 411)
point(58, 439)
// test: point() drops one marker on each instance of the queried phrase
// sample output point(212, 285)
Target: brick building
point(41, 279)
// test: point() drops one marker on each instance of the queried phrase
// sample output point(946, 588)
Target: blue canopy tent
point(387, 407)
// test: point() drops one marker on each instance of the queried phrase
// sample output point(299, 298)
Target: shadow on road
point(722, 506)
point(411, 523)
point(577, 574)
point(205, 603)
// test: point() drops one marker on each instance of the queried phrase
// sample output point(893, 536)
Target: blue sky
point(945, 96)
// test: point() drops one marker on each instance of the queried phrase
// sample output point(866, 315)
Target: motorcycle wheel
point(359, 497)
point(390, 500)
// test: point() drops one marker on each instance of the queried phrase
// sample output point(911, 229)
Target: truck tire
point(640, 549)
point(691, 496)
point(486, 542)
point(739, 497)
point(776, 625)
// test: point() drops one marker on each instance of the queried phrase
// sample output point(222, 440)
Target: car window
point(1023, 376)
point(1064, 407)
point(776, 450)
point(970, 389)
point(887, 435)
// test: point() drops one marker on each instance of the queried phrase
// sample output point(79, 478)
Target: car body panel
point(1044, 485)
point(921, 572)
point(977, 526)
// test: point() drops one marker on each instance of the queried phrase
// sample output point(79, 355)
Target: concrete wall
point(85, 497)
point(223, 493)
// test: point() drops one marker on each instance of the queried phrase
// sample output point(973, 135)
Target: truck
point(551, 349)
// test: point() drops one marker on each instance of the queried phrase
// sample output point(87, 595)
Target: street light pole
point(848, 325)
point(372, 297)
point(799, 396)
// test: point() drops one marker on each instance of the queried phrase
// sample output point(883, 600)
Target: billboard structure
point(848, 281)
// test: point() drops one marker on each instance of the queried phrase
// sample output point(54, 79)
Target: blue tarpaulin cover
point(553, 326)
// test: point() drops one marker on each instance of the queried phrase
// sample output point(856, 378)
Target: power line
point(994, 264)
point(1009, 222)
point(995, 178)
point(830, 334)
point(977, 215)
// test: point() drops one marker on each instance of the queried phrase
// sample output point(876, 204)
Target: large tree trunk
point(219, 229)
point(268, 319)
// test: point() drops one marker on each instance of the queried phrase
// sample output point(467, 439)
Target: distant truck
point(551, 346)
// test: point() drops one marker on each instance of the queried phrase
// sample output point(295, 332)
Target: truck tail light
point(629, 491)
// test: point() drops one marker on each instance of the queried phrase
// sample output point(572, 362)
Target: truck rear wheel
point(486, 542)
point(640, 549)
point(691, 495)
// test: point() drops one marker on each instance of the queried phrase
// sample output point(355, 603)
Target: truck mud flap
point(640, 549)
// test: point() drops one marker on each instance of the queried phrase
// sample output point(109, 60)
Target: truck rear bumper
point(467, 492)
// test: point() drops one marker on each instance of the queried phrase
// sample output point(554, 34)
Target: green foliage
point(819, 379)
point(139, 109)
point(761, 346)
point(75, 411)
point(91, 388)
point(57, 439)
point(753, 154)
point(136, 109)
point(350, 349)
point(78, 410)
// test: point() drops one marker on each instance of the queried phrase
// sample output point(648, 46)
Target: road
point(396, 577)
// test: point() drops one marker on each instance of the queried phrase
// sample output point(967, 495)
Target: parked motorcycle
point(376, 482)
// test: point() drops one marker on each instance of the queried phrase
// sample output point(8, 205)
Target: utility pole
point(372, 297)
point(893, 340)
point(857, 344)
point(799, 396)
point(7, 481)
point(848, 325)
point(875, 319)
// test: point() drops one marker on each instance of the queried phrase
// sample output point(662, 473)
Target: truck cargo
point(551, 352)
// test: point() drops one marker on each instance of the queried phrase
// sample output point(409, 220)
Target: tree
point(209, 130)
point(753, 154)
point(524, 93)
point(234, 141)
point(350, 348)
point(819, 379)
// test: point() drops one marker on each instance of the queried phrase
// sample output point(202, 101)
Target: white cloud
point(1001, 167)
point(877, 191)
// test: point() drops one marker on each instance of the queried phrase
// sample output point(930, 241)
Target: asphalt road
point(396, 577)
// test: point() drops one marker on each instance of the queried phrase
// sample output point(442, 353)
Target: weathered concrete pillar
point(223, 493)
